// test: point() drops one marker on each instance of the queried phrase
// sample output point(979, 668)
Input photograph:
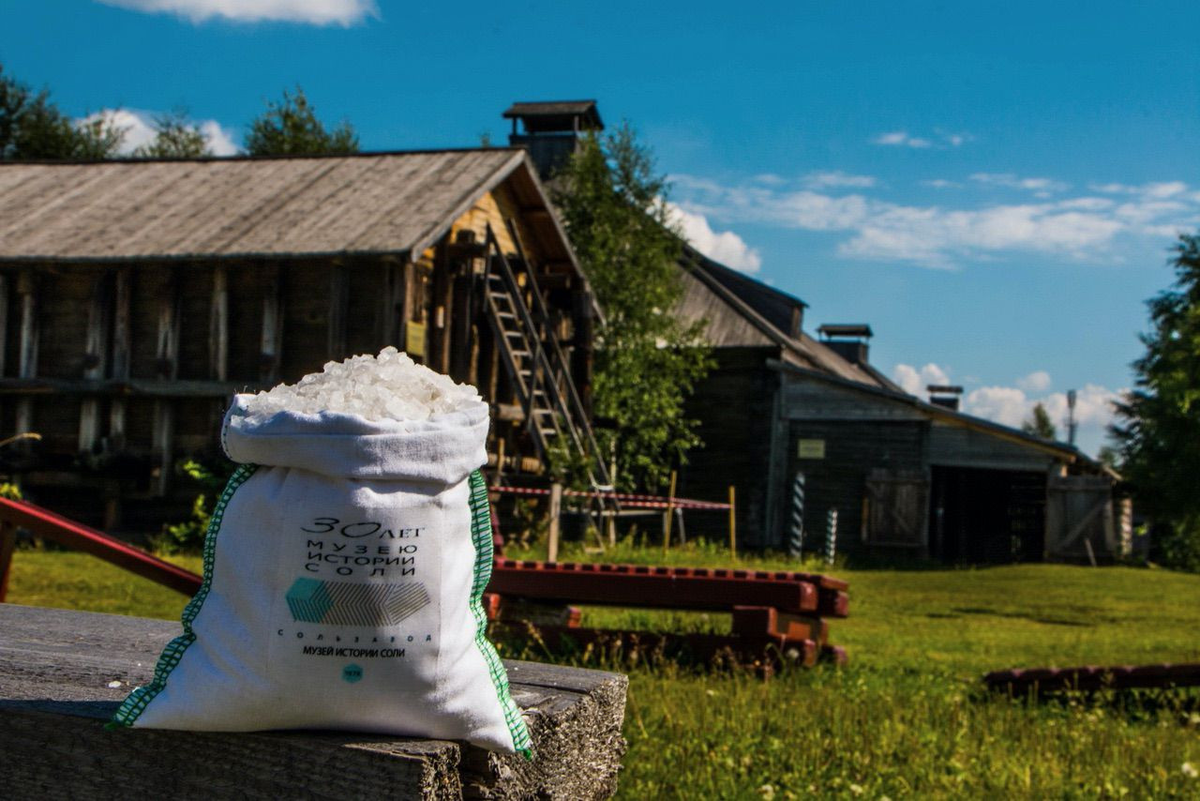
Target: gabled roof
point(556, 115)
point(354, 204)
point(732, 320)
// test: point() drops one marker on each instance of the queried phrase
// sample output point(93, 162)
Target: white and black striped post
point(830, 536)
point(796, 540)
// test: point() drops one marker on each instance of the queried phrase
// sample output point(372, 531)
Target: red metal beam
point(662, 587)
point(67, 532)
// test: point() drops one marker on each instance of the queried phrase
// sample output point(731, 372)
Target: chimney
point(848, 340)
point(945, 395)
point(550, 131)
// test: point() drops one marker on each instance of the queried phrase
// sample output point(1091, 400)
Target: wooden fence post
point(556, 491)
point(670, 512)
point(732, 524)
point(8, 544)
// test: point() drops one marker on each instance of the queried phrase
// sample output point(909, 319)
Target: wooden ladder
point(537, 367)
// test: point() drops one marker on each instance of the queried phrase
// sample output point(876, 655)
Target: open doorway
point(987, 516)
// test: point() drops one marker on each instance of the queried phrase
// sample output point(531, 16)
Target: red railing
point(64, 531)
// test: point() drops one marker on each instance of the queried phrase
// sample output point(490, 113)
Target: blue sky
point(994, 187)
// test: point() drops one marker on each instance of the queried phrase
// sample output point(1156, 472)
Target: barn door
point(1079, 518)
point(896, 504)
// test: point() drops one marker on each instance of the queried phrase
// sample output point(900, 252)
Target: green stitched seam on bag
point(141, 697)
point(481, 538)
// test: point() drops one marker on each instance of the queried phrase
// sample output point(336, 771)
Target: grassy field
point(906, 719)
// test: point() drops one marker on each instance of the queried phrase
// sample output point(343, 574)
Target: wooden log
point(755, 620)
point(1113, 677)
point(57, 674)
point(554, 514)
point(640, 585)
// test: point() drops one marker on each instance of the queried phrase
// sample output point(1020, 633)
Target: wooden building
point(907, 476)
point(136, 296)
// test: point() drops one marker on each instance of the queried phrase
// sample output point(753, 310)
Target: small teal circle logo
point(352, 673)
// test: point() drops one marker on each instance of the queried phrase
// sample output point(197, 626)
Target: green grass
point(906, 719)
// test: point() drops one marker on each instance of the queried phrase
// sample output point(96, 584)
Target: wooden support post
point(122, 344)
point(339, 306)
point(27, 361)
point(167, 363)
point(8, 544)
point(272, 324)
point(460, 342)
point(732, 524)
point(95, 359)
point(218, 326)
point(556, 491)
point(3, 322)
point(668, 517)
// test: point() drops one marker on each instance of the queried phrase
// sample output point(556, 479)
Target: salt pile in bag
point(344, 567)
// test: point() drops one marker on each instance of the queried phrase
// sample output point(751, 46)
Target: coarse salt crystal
point(390, 386)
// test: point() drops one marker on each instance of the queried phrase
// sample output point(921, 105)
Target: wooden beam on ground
point(57, 700)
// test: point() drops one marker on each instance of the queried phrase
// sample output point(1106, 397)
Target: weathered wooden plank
point(95, 358)
point(271, 340)
point(167, 369)
point(218, 325)
point(339, 306)
point(58, 668)
point(28, 353)
point(4, 289)
point(147, 387)
point(122, 352)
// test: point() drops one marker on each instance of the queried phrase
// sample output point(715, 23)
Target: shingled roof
point(363, 203)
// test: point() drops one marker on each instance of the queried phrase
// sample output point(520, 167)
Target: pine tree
point(32, 127)
point(1159, 432)
point(174, 138)
point(647, 361)
point(1039, 424)
point(292, 128)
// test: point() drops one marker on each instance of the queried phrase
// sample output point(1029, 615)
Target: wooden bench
point(58, 686)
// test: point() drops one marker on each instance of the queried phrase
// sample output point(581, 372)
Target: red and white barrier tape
point(626, 499)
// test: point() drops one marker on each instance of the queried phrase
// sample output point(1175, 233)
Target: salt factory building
point(908, 477)
point(136, 296)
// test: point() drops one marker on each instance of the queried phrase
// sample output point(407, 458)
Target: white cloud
point(901, 139)
point(1037, 381)
point(1011, 406)
point(138, 128)
point(313, 12)
point(725, 246)
point(942, 140)
point(1011, 181)
point(941, 183)
point(1079, 227)
point(823, 180)
point(914, 381)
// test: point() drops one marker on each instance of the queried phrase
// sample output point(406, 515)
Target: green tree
point(174, 138)
point(1158, 432)
point(1039, 424)
point(292, 128)
point(647, 361)
point(32, 127)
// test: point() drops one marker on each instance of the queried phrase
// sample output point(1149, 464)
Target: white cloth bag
point(343, 570)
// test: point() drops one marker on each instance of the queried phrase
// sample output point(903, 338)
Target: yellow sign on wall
point(414, 339)
point(811, 449)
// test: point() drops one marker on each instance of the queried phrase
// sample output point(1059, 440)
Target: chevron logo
point(342, 603)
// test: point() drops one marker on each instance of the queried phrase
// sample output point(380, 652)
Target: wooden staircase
point(537, 367)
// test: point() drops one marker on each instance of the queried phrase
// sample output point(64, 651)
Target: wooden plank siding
point(734, 405)
point(137, 358)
